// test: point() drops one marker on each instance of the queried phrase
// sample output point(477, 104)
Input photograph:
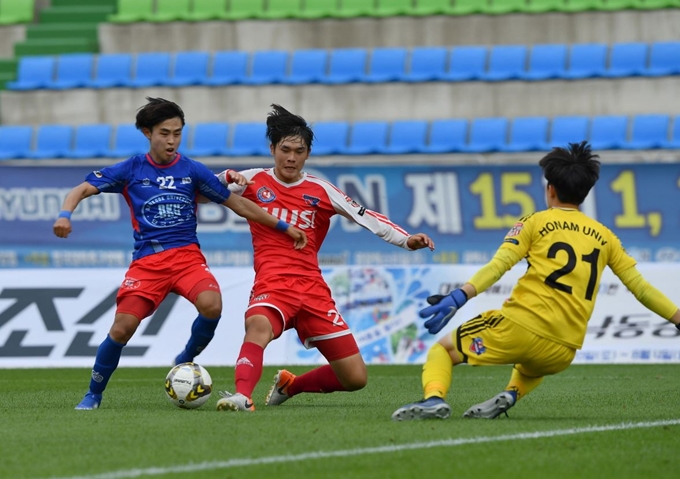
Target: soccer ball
point(188, 385)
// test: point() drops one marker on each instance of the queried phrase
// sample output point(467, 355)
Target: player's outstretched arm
point(62, 227)
point(250, 211)
point(420, 241)
point(649, 296)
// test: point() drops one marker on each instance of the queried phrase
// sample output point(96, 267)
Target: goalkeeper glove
point(442, 309)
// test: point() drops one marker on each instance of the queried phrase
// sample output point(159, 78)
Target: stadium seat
point(330, 137)
point(647, 132)
point(385, 65)
point(151, 69)
point(15, 142)
point(542, 6)
point(528, 134)
point(664, 59)
point(52, 141)
point(487, 134)
point(33, 73)
point(307, 66)
point(190, 68)
point(367, 137)
point(407, 136)
point(546, 61)
point(16, 11)
point(347, 65)
point(210, 139)
point(587, 60)
point(427, 64)
point(672, 144)
point(390, 8)
point(112, 70)
point(319, 9)
point(467, 7)
point(277, 9)
point(466, 63)
point(568, 129)
point(355, 8)
point(243, 9)
point(91, 141)
point(656, 4)
point(170, 10)
point(617, 4)
point(502, 7)
point(229, 68)
point(269, 66)
point(131, 11)
point(73, 71)
point(128, 141)
point(447, 136)
point(506, 62)
point(627, 59)
point(581, 5)
point(249, 140)
point(608, 132)
point(431, 7)
point(204, 10)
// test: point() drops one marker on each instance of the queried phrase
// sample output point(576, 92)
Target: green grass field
point(588, 422)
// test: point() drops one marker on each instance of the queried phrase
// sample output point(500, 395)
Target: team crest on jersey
point(265, 195)
point(186, 180)
point(146, 182)
point(131, 283)
point(311, 200)
point(515, 230)
point(98, 174)
point(477, 346)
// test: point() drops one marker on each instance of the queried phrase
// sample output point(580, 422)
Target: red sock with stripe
point(248, 369)
point(319, 380)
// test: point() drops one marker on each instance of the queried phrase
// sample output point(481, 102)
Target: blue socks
point(202, 332)
point(105, 364)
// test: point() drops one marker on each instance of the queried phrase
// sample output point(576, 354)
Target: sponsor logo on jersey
point(515, 230)
point(353, 203)
point(131, 283)
point(265, 195)
point(477, 346)
point(98, 174)
point(186, 180)
point(311, 200)
point(146, 183)
point(167, 210)
point(261, 297)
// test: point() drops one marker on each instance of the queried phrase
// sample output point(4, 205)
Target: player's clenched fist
point(62, 227)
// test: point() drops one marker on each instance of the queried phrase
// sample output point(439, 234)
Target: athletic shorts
point(491, 338)
point(305, 304)
point(178, 270)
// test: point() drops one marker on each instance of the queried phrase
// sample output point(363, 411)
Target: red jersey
point(308, 204)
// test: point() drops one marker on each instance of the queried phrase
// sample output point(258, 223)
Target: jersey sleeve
point(501, 263)
point(519, 238)
point(233, 187)
point(619, 259)
point(112, 179)
point(648, 295)
point(209, 186)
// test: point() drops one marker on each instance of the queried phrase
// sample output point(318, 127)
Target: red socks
point(319, 380)
point(248, 369)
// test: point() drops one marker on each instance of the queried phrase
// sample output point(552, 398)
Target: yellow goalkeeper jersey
point(566, 252)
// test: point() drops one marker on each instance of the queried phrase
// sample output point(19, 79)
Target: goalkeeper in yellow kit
point(540, 327)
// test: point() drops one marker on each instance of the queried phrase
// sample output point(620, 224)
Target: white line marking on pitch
point(213, 465)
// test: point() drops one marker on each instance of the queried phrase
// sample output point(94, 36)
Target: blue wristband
point(282, 226)
point(64, 214)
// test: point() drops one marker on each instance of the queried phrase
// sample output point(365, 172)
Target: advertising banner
point(58, 317)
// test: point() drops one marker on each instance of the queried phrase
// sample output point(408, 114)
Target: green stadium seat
point(390, 8)
point(282, 9)
point(617, 4)
point(356, 8)
point(540, 6)
point(656, 4)
point(501, 7)
point(204, 10)
point(16, 11)
point(170, 10)
point(244, 9)
point(468, 7)
point(431, 7)
point(319, 9)
point(131, 11)
point(581, 5)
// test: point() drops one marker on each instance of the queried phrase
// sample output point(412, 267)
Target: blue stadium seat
point(210, 139)
point(627, 59)
point(73, 71)
point(664, 59)
point(466, 63)
point(229, 68)
point(648, 131)
point(330, 137)
point(447, 136)
point(608, 132)
point(347, 65)
point(386, 64)
point(487, 134)
point(367, 137)
point(546, 62)
point(407, 136)
point(672, 144)
point(91, 141)
point(568, 129)
point(506, 62)
point(33, 73)
point(151, 69)
point(52, 141)
point(249, 140)
point(112, 70)
point(190, 68)
point(128, 141)
point(528, 134)
point(307, 66)
point(269, 66)
point(15, 141)
point(427, 64)
point(587, 60)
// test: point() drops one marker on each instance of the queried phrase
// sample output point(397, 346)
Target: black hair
point(283, 124)
point(156, 111)
point(573, 171)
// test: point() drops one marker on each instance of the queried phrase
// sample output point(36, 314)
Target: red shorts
point(179, 270)
point(305, 304)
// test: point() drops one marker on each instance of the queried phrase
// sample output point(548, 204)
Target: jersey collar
point(166, 165)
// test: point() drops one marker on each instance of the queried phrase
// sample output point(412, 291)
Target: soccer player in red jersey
point(289, 290)
point(161, 188)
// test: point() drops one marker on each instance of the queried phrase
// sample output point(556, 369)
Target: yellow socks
point(522, 384)
point(437, 372)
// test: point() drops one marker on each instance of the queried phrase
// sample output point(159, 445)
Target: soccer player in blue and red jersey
point(161, 189)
